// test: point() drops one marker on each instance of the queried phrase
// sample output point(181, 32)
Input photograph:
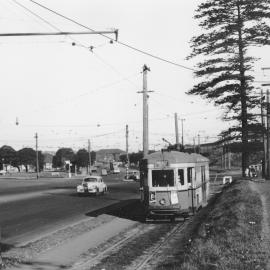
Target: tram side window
point(162, 178)
point(189, 174)
point(181, 178)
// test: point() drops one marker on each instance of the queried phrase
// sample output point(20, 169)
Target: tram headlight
point(152, 196)
point(162, 201)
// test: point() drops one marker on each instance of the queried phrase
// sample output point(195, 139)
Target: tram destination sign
point(161, 163)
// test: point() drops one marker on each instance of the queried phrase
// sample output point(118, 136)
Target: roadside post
point(68, 163)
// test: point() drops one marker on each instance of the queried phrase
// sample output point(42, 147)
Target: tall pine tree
point(230, 28)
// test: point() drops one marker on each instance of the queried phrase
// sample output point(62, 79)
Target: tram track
point(131, 251)
point(145, 259)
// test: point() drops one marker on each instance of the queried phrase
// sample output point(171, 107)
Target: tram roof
point(175, 157)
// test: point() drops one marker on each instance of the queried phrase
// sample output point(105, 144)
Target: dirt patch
point(26, 253)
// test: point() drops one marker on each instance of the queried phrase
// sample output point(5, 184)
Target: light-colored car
point(3, 172)
point(132, 175)
point(92, 185)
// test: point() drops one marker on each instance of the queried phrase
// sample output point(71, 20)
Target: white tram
point(173, 183)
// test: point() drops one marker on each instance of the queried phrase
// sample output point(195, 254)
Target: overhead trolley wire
point(50, 24)
point(119, 42)
point(36, 15)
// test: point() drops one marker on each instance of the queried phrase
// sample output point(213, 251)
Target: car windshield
point(90, 180)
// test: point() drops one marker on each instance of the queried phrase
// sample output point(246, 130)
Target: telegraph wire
point(114, 69)
point(36, 15)
point(48, 23)
point(117, 41)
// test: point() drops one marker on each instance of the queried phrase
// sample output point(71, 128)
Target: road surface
point(31, 208)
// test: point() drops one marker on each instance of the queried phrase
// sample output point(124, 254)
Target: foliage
point(40, 160)
point(62, 155)
point(82, 158)
point(230, 28)
point(8, 155)
point(230, 236)
point(133, 157)
point(27, 156)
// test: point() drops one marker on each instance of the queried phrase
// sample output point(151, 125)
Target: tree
point(8, 155)
point(40, 160)
point(82, 158)
point(27, 156)
point(62, 155)
point(230, 28)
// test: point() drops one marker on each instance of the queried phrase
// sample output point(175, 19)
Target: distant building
point(107, 155)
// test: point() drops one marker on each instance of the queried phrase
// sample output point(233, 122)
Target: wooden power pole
point(182, 125)
point(264, 167)
point(127, 145)
point(37, 164)
point(176, 129)
point(145, 112)
point(89, 153)
point(127, 166)
point(268, 137)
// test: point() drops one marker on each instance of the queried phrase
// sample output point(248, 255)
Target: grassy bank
point(229, 237)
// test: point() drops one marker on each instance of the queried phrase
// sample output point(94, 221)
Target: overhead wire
point(117, 41)
point(36, 15)
point(78, 44)
point(48, 23)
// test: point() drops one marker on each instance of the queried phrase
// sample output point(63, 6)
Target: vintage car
point(132, 175)
point(92, 185)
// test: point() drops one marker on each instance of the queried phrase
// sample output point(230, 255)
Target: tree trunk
point(242, 94)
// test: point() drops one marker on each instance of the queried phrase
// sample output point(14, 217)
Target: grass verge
point(230, 236)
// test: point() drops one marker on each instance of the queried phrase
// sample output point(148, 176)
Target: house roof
point(175, 157)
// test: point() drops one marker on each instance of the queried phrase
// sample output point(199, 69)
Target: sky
point(69, 94)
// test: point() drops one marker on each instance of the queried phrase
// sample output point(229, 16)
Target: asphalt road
point(31, 208)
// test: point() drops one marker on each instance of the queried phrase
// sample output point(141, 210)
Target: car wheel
point(97, 192)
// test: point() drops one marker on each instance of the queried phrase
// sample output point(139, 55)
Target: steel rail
point(143, 263)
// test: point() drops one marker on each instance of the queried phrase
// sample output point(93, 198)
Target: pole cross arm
point(60, 33)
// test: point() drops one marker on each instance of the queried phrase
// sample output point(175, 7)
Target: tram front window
point(162, 178)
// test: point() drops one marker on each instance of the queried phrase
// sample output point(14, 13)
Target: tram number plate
point(174, 197)
point(161, 163)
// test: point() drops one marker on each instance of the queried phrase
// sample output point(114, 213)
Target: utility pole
point(37, 165)
point(89, 153)
point(182, 120)
point(199, 144)
point(268, 137)
point(127, 145)
point(264, 139)
point(194, 145)
point(229, 158)
point(145, 112)
point(127, 166)
point(176, 130)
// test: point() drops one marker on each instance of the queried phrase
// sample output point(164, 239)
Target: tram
point(173, 184)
